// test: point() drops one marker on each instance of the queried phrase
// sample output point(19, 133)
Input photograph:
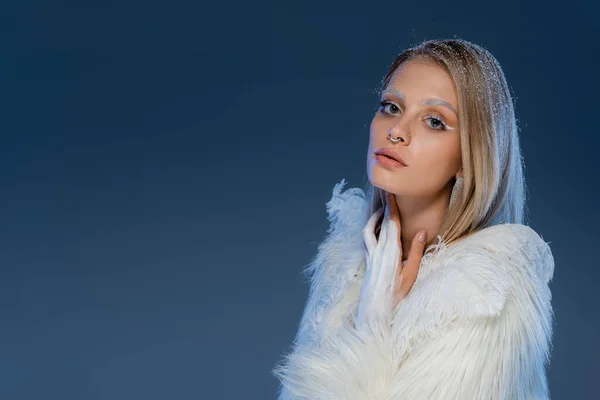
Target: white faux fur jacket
point(476, 325)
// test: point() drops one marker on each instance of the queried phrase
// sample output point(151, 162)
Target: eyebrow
point(431, 102)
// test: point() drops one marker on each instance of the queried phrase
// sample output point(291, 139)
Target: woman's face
point(419, 107)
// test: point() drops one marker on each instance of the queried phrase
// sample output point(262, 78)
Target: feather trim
point(334, 269)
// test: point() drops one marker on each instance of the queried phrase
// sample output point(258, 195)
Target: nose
point(398, 133)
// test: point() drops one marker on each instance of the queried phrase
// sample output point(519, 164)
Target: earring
point(456, 191)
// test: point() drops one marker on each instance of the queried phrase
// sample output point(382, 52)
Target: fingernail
point(422, 235)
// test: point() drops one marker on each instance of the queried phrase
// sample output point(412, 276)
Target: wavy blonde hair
point(494, 187)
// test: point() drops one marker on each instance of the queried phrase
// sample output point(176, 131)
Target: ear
point(460, 173)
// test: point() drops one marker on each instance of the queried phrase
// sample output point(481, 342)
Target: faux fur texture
point(477, 323)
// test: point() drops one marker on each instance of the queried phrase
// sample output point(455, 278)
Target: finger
point(410, 270)
point(369, 231)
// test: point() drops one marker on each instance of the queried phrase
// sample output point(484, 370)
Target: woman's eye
point(389, 108)
point(436, 123)
point(383, 107)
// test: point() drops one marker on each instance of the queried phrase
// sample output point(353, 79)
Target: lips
point(391, 154)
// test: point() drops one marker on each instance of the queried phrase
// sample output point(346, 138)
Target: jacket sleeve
point(497, 324)
point(329, 356)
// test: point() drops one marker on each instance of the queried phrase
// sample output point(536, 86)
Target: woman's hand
point(386, 280)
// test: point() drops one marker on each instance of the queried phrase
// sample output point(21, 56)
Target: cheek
point(440, 157)
point(378, 126)
point(453, 153)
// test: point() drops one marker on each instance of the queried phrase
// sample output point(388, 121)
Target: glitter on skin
point(432, 102)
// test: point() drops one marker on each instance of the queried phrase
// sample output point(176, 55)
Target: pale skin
point(420, 106)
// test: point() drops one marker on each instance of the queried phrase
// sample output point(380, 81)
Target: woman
point(464, 314)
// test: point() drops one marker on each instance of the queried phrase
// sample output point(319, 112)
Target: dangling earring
point(456, 191)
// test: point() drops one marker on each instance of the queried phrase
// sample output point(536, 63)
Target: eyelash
point(384, 103)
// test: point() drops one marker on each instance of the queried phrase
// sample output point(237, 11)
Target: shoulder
point(335, 266)
point(510, 247)
point(346, 210)
point(347, 215)
point(475, 276)
point(342, 248)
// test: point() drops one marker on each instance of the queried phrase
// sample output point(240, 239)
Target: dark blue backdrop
point(165, 167)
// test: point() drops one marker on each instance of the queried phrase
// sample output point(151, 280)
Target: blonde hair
point(494, 187)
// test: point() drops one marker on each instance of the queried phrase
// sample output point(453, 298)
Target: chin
point(383, 180)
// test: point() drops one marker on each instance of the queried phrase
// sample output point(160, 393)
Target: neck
point(421, 213)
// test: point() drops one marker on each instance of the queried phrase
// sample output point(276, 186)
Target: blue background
point(165, 166)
